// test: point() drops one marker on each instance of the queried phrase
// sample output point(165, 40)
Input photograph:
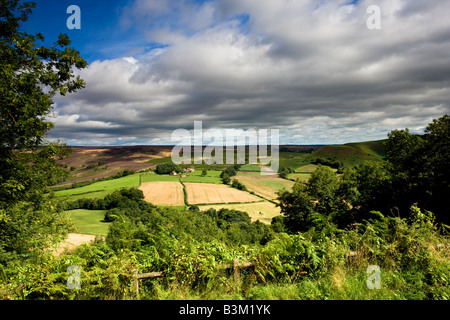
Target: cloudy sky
point(312, 69)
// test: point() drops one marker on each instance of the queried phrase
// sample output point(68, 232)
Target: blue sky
point(313, 70)
point(100, 37)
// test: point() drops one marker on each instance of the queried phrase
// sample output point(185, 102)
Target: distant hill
point(87, 163)
point(351, 154)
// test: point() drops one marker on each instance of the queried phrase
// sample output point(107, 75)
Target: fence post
point(135, 281)
point(236, 270)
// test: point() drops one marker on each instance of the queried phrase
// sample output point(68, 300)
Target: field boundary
point(236, 265)
point(186, 202)
point(227, 203)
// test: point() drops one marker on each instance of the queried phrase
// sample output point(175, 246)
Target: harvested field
point(202, 193)
point(263, 211)
point(168, 193)
point(264, 186)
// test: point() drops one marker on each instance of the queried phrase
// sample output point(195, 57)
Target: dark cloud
point(315, 72)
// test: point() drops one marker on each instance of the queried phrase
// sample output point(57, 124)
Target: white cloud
point(309, 66)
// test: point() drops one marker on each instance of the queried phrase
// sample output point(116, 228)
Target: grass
point(153, 177)
point(306, 168)
point(211, 177)
point(89, 195)
point(301, 176)
point(108, 185)
point(293, 159)
point(89, 221)
point(352, 154)
point(263, 186)
point(250, 167)
point(274, 184)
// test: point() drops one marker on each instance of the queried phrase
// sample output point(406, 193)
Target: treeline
point(167, 167)
point(296, 150)
point(229, 172)
point(332, 163)
point(416, 172)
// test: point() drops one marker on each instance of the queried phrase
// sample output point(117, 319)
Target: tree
point(419, 168)
point(437, 136)
point(284, 171)
point(225, 178)
point(30, 75)
point(230, 171)
point(321, 196)
point(297, 207)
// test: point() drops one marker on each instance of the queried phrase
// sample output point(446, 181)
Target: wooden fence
point(235, 266)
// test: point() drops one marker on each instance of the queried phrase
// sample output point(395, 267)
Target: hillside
point(350, 154)
point(87, 163)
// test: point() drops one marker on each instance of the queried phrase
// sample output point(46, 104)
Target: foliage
point(236, 184)
point(320, 196)
point(225, 178)
point(419, 168)
point(167, 167)
point(30, 75)
point(230, 171)
point(284, 171)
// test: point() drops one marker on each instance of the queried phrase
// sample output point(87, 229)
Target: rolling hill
point(350, 154)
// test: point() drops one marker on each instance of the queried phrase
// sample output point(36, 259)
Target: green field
point(212, 176)
point(250, 167)
point(293, 159)
point(352, 154)
point(89, 221)
point(151, 177)
point(108, 186)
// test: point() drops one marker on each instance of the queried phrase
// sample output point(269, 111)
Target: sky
point(315, 70)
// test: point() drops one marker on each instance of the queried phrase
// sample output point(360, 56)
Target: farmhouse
point(173, 173)
point(188, 170)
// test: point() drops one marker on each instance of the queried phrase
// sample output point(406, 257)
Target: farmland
point(263, 211)
point(196, 211)
point(89, 221)
point(263, 186)
point(168, 193)
point(201, 193)
point(101, 188)
point(201, 187)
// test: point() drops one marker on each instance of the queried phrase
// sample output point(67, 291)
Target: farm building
point(188, 170)
point(173, 173)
